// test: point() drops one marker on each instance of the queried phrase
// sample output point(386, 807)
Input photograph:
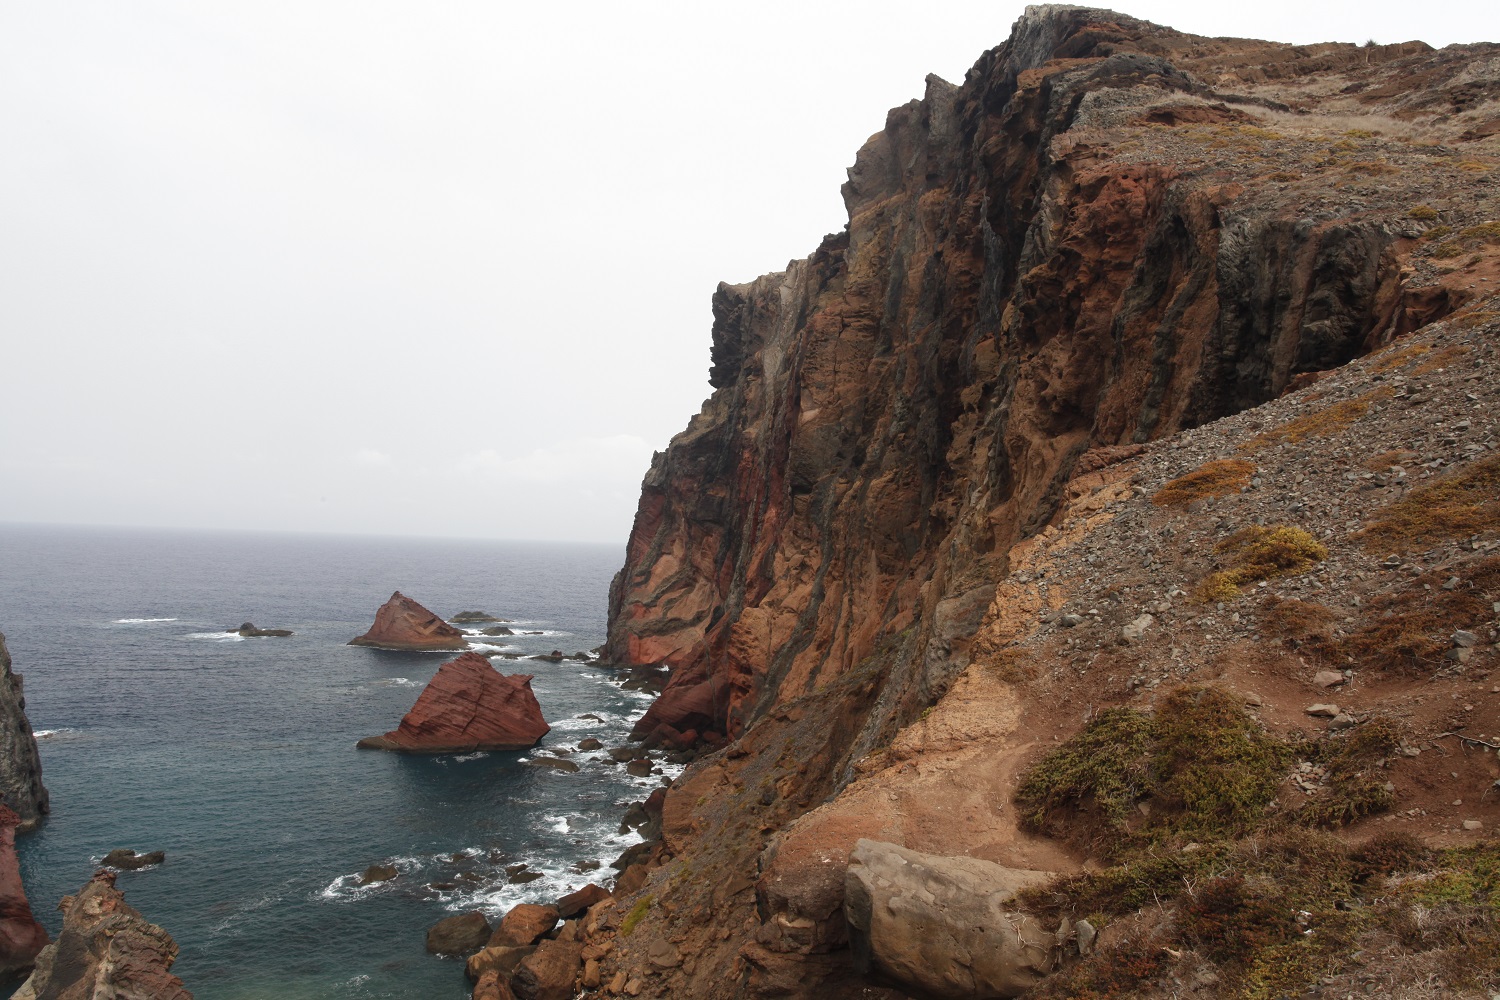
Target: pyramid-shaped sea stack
point(402, 623)
point(468, 705)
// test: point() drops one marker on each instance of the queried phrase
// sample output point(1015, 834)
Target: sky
point(438, 268)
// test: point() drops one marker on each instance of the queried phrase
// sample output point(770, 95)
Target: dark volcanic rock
point(249, 631)
point(496, 630)
point(125, 859)
point(402, 623)
point(556, 763)
point(106, 951)
point(458, 935)
point(472, 617)
point(378, 873)
point(21, 937)
point(20, 764)
point(468, 706)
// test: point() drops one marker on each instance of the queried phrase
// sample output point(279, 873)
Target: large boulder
point(458, 935)
point(20, 763)
point(549, 972)
point(402, 623)
point(524, 923)
point(468, 705)
point(21, 937)
point(106, 951)
point(576, 903)
point(945, 926)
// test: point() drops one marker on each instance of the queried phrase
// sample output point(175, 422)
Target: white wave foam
point(217, 636)
point(398, 682)
point(140, 621)
point(479, 755)
point(53, 734)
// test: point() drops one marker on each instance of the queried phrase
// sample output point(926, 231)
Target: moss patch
point(637, 913)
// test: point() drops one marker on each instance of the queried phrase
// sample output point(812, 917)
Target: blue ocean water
point(236, 756)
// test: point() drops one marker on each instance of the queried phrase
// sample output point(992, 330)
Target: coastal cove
point(159, 730)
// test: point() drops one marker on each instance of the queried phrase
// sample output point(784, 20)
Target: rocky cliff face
point(20, 764)
point(21, 937)
point(1108, 233)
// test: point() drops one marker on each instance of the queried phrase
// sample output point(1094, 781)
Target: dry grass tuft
point(1386, 459)
point(1409, 629)
point(1213, 479)
point(1441, 359)
point(1423, 213)
point(1260, 553)
point(1465, 502)
point(1321, 423)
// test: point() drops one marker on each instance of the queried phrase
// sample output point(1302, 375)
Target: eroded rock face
point(106, 951)
point(945, 926)
point(402, 623)
point(20, 764)
point(468, 705)
point(21, 937)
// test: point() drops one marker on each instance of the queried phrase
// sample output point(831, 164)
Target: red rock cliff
point(1108, 232)
point(468, 705)
point(21, 937)
point(402, 623)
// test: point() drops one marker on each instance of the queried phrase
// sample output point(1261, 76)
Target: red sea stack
point(468, 705)
point(402, 623)
point(21, 937)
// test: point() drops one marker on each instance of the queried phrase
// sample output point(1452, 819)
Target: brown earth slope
point(940, 435)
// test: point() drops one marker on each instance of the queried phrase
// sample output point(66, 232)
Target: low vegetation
point(1465, 502)
point(1258, 553)
point(1213, 479)
point(1319, 423)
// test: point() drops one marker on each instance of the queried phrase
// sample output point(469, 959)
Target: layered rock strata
point(1108, 233)
point(106, 951)
point(403, 624)
point(21, 937)
point(20, 764)
point(468, 705)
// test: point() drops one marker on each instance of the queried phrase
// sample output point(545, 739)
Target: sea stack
point(468, 705)
point(106, 949)
point(402, 623)
point(21, 937)
point(20, 764)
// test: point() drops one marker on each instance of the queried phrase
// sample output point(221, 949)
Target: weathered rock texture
point(468, 705)
point(1109, 233)
point(106, 951)
point(402, 623)
point(947, 926)
point(21, 937)
point(20, 763)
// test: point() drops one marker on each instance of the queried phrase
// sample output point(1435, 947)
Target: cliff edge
point(20, 763)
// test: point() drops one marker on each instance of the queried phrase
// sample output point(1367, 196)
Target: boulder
point(21, 937)
point(492, 986)
point(523, 924)
point(20, 763)
point(590, 744)
point(945, 926)
point(575, 903)
point(553, 657)
point(125, 859)
point(106, 951)
point(638, 768)
point(249, 631)
point(468, 705)
point(459, 935)
point(556, 763)
point(402, 623)
point(549, 972)
point(501, 959)
point(378, 873)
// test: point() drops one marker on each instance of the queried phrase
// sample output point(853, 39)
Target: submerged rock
point(942, 926)
point(378, 873)
point(124, 859)
point(21, 937)
point(402, 623)
point(20, 764)
point(468, 705)
point(106, 951)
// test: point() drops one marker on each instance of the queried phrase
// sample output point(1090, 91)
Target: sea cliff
point(1109, 234)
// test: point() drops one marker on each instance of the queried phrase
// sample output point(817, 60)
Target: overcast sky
point(436, 268)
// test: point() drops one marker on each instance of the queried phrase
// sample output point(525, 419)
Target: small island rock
point(468, 705)
point(403, 624)
point(124, 859)
point(249, 631)
point(470, 617)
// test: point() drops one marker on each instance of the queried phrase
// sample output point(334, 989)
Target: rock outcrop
point(468, 705)
point(249, 631)
point(106, 951)
point(21, 937)
point(20, 764)
point(403, 624)
point(1104, 246)
point(947, 927)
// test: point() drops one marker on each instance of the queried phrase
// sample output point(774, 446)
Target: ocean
point(236, 757)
